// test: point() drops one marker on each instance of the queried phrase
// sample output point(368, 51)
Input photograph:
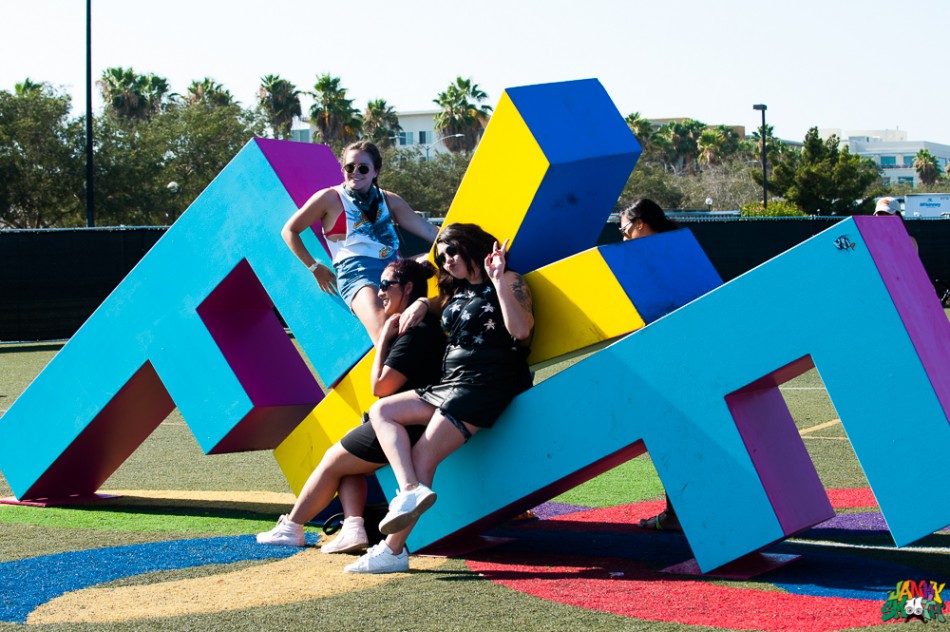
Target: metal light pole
point(439, 140)
point(765, 178)
point(90, 212)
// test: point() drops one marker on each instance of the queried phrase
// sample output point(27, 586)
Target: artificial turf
point(449, 595)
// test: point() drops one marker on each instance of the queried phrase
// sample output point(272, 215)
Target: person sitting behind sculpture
point(890, 206)
point(357, 221)
point(642, 219)
point(486, 311)
point(403, 361)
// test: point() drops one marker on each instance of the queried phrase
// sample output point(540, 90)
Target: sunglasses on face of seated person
point(624, 227)
point(350, 167)
point(450, 251)
point(385, 284)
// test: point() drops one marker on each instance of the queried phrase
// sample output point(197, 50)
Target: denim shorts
point(354, 273)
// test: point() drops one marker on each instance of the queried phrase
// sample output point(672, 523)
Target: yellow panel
point(578, 302)
point(503, 177)
point(340, 411)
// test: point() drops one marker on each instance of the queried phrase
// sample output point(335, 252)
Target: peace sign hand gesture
point(495, 262)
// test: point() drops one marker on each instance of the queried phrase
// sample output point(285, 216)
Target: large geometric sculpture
point(192, 325)
point(699, 389)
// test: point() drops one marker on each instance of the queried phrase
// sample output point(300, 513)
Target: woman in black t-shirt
point(404, 361)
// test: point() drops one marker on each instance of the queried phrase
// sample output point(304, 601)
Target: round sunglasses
point(350, 167)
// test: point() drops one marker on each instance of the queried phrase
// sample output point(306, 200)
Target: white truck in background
point(927, 205)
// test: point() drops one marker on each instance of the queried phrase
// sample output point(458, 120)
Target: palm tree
point(716, 144)
point(279, 100)
point(381, 123)
point(334, 115)
point(28, 87)
point(130, 95)
point(681, 140)
point(462, 113)
point(154, 89)
point(925, 163)
point(210, 92)
point(642, 128)
point(710, 146)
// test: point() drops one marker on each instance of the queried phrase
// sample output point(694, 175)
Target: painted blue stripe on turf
point(27, 584)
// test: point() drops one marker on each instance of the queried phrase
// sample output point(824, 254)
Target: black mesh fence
point(51, 281)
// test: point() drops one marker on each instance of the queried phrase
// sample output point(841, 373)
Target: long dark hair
point(651, 213)
point(474, 246)
point(412, 271)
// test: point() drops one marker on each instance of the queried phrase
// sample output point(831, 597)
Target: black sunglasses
point(350, 167)
point(385, 284)
point(450, 251)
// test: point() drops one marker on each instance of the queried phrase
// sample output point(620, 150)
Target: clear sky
point(850, 64)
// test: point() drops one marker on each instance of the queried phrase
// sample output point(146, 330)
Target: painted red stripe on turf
point(625, 588)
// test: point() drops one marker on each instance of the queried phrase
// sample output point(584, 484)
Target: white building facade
point(418, 130)
point(891, 151)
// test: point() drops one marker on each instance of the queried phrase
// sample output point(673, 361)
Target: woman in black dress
point(486, 312)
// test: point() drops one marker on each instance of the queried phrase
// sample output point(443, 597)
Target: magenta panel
point(303, 168)
point(240, 317)
point(776, 449)
point(917, 304)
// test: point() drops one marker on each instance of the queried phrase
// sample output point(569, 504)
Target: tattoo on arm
point(522, 293)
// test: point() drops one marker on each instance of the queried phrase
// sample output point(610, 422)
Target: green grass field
point(445, 595)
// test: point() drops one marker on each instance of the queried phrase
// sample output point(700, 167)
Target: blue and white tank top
point(364, 239)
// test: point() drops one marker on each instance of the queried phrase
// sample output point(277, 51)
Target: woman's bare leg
point(352, 493)
point(324, 482)
point(389, 417)
point(369, 309)
point(440, 440)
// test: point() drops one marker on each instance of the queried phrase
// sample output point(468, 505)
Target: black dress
point(483, 367)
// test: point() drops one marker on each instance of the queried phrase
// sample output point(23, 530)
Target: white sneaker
point(286, 533)
point(352, 537)
point(380, 559)
point(406, 507)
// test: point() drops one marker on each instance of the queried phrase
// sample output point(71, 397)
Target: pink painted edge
point(239, 316)
point(783, 464)
point(303, 169)
point(913, 295)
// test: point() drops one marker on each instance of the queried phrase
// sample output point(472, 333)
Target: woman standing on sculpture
point(486, 312)
point(357, 221)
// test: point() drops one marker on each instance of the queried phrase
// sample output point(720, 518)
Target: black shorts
point(362, 443)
